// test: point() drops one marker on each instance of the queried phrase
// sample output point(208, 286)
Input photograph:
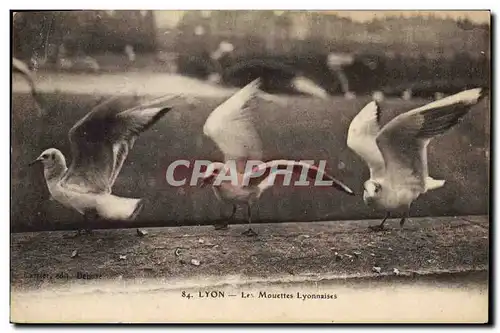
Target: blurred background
point(404, 59)
point(359, 52)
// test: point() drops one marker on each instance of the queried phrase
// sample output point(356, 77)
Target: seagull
point(100, 143)
point(230, 127)
point(20, 67)
point(396, 154)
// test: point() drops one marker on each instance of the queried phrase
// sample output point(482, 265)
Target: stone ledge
point(320, 250)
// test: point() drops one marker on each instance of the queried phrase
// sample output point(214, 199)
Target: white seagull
point(396, 154)
point(100, 143)
point(230, 127)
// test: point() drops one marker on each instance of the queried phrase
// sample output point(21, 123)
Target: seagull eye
point(44, 156)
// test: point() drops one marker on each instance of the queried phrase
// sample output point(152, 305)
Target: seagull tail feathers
point(433, 184)
point(113, 207)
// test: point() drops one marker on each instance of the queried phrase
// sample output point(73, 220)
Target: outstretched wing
point(259, 176)
point(101, 140)
point(21, 67)
point(403, 141)
point(361, 138)
point(231, 127)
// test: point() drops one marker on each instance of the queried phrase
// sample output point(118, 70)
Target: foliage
point(87, 32)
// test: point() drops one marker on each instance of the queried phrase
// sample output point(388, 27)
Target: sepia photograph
point(250, 166)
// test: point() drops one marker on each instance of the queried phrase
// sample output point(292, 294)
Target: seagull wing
point(361, 138)
point(260, 175)
point(101, 140)
point(21, 67)
point(231, 127)
point(403, 141)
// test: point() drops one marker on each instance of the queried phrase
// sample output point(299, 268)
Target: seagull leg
point(249, 232)
point(88, 217)
point(380, 227)
point(81, 232)
point(224, 224)
point(403, 219)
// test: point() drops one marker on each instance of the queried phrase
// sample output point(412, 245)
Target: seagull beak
point(34, 162)
point(344, 188)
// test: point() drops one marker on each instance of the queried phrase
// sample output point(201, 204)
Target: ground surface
point(319, 272)
point(281, 251)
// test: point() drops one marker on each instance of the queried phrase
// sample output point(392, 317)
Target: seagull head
point(51, 158)
point(373, 190)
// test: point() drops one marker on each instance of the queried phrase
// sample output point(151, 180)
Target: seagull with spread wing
point(230, 126)
point(100, 143)
point(396, 154)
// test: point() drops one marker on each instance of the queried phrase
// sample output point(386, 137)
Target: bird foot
point(249, 233)
point(377, 228)
point(81, 232)
point(221, 226)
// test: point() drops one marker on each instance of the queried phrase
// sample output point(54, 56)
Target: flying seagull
point(230, 127)
point(100, 143)
point(396, 154)
point(20, 67)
